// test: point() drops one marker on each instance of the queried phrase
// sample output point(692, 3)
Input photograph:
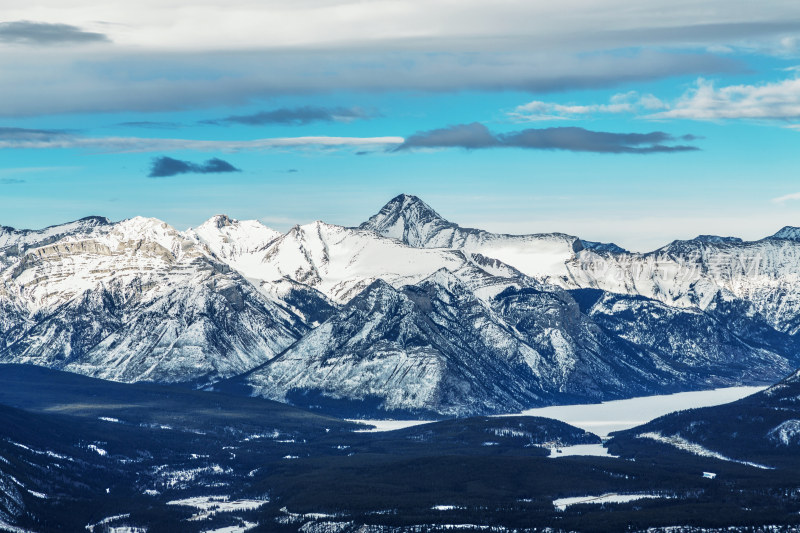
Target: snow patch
point(100, 451)
point(679, 442)
point(211, 505)
point(595, 450)
point(447, 507)
point(562, 503)
point(787, 433)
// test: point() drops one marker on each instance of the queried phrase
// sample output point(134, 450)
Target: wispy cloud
point(630, 102)
point(477, 136)
point(10, 181)
point(162, 167)
point(786, 198)
point(31, 135)
point(21, 138)
point(46, 34)
point(777, 101)
point(297, 116)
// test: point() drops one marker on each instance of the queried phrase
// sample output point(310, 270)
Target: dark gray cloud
point(163, 167)
point(470, 136)
point(297, 116)
point(476, 136)
point(10, 181)
point(43, 33)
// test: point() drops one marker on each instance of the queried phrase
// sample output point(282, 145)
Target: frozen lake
point(387, 425)
point(603, 418)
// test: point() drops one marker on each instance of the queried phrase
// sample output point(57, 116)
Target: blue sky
point(613, 121)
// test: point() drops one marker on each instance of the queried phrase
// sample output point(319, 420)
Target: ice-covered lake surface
point(603, 418)
point(387, 425)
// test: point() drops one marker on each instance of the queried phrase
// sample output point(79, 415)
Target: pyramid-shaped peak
point(409, 219)
point(410, 206)
point(219, 221)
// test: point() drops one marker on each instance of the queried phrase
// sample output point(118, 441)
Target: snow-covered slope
point(137, 300)
point(435, 347)
point(564, 319)
point(432, 347)
point(340, 262)
point(791, 233)
point(21, 239)
point(239, 243)
point(692, 273)
point(412, 221)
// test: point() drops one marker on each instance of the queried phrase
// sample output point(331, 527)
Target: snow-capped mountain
point(689, 273)
point(137, 300)
point(408, 312)
point(434, 347)
point(21, 239)
point(693, 273)
point(413, 222)
point(430, 347)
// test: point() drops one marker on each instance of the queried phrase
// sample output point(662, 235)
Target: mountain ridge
point(139, 300)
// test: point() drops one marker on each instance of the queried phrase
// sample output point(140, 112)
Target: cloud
point(10, 181)
point(779, 101)
point(787, 197)
point(771, 101)
point(163, 60)
point(470, 136)
point(43, 33)
point(20, 138)
point(630, 102)
point(432, 24)
point(150, 125)
point(477, 136)
point(297, 116)
point(35, 84)
point(162, 167)
point(31, 135)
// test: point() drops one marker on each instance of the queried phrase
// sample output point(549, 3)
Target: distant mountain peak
point(27, 238)
point(407, 218)
point(717, 239)
point(603, 247)
point(219, 221)
point(791, 233)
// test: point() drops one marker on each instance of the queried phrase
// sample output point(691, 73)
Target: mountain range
point(406, 313)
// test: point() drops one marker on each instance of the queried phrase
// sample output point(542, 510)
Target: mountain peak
point(26, 238)
point(717, 239)
point(219, 221)
point(407, 218)
point(791, 233)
